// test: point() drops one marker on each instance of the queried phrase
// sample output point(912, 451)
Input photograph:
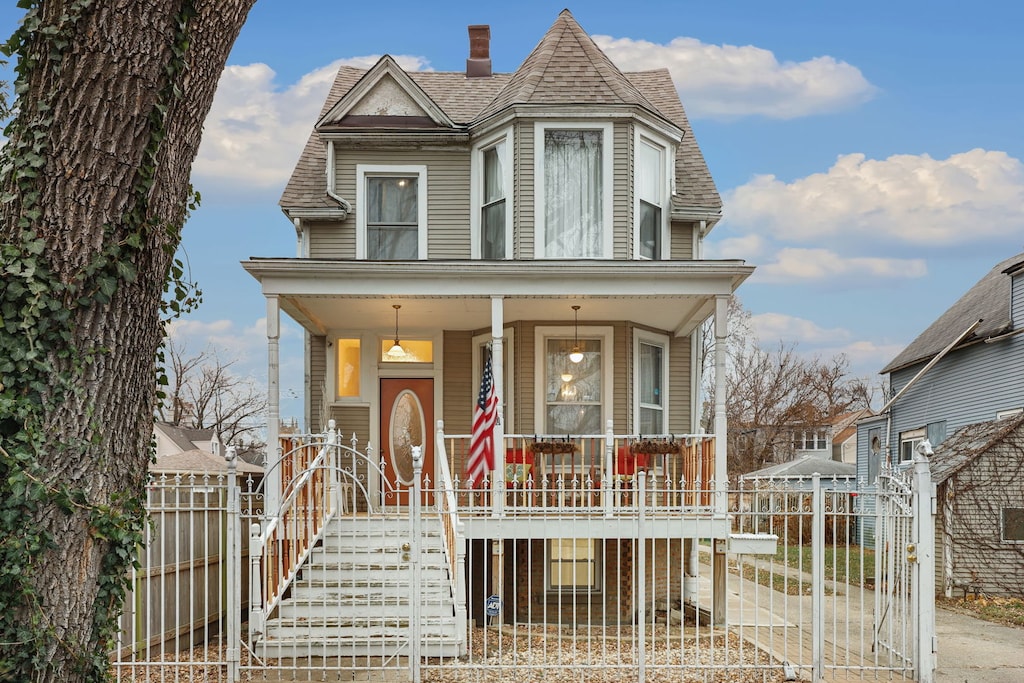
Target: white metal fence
point(605, 606)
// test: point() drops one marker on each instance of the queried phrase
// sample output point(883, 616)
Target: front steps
point(352, 597)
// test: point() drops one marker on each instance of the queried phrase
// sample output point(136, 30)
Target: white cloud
point(772, 327)
point(903, 201)
point(795, 264)
point(729, 81)
point(255, 130)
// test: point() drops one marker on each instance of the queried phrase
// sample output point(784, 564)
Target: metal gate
point(825, 616)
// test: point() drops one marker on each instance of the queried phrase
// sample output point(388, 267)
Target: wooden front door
point(406, 419)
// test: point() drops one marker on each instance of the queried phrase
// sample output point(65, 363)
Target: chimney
point(479, 63)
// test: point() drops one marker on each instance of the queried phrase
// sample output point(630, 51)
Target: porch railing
point(588, 471)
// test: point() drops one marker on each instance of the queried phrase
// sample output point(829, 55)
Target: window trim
point(1002, 525)
point(604, 333)
point(651, 339)
point(476, 196)
point(608, 188)
point(913, 437)
point(365, 367)
point(641, 137)
point(377, 170)
point(552, 589)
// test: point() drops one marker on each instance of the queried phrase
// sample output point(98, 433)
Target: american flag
point(481, 443)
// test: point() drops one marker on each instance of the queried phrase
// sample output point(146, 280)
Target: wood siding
point(680, 419)
point(525, 206)
point(320, 385)
point(682, 240)
point(980, 491)
point(459, 392)
point(622, 189)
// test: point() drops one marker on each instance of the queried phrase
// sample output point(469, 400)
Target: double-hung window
point(574, 394)
point(651, 190)
point(391, 212)
point(573, 190)
point(492, 173)
point(651, 367)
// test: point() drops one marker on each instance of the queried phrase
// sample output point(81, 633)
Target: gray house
point(967, 367)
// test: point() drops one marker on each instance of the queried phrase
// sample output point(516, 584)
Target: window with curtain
point(492, 211)
point(650, 187)
point(573, 193)
point(572, 564)
point(392, 217)
point(652, 373)
point(573, 390)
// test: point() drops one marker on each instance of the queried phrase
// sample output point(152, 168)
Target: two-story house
point(553, 218)
point(962, 377)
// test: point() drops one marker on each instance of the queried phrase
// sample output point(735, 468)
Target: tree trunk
point(110, 127)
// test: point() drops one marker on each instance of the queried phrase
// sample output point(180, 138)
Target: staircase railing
point(310, 500)
point(454, 535)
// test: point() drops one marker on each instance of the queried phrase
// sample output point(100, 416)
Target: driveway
point(977, 651)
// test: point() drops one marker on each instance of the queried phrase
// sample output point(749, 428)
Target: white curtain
point(572, 194)
point(391, 218)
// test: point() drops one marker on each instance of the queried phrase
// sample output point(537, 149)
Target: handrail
point(447, 508)
point(307, 508)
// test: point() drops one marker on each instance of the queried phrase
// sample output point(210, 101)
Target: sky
point(869, 154)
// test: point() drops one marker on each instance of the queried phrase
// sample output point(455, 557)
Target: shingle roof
point(566, 67)
point(184, 438)
point(199, 462)
point(805, 466)
point(970, 442)
point(988, 300)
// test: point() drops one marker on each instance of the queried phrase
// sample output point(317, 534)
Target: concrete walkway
point(976, 651)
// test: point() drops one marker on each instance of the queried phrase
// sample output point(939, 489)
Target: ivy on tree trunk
point(110, 98)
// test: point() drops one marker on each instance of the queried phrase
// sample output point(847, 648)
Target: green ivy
point(40, 365)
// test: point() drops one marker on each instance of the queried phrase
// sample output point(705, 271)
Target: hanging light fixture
point(396, 350)
point(576, 355)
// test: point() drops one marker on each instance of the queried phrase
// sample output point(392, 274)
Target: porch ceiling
point(328, 295)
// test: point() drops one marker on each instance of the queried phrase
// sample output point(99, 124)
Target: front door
point(406, 417)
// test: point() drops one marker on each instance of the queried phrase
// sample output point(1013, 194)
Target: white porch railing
point(454, 533)
point(589, 472)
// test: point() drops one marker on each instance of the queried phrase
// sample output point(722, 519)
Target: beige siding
point(319, 383)
point(353, 420)
point(680, 412)
point(448, 194)
point(459, 392)
point(332, 239)
point(682, 240)
point(622, 377)
point(525, 225)
point(622, 189)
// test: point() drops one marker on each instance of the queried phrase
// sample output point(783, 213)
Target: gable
point(387, 98)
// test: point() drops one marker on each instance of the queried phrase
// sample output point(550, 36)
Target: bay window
point(573, 190)
point(492, 198)
point(651, 190)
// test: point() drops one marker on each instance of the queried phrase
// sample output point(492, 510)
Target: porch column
point(273, 480)
point(718, 616)
point(498, 370)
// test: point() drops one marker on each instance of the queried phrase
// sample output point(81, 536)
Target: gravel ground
point(548, 654)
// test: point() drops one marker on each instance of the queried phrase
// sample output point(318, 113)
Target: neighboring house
point(171, 439)
point(967, 367)
point(979, 529)
point(844, 435)
point(558, 209)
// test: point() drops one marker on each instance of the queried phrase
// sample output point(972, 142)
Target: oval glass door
point(407, 429)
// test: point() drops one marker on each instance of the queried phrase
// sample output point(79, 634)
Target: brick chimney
point(479, 63)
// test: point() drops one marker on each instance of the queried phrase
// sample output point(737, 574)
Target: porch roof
point(667, 295)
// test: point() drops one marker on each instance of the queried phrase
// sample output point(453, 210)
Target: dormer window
point(573, 188)
point(391, 212)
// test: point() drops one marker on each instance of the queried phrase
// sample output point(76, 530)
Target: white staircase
point(352, 597)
